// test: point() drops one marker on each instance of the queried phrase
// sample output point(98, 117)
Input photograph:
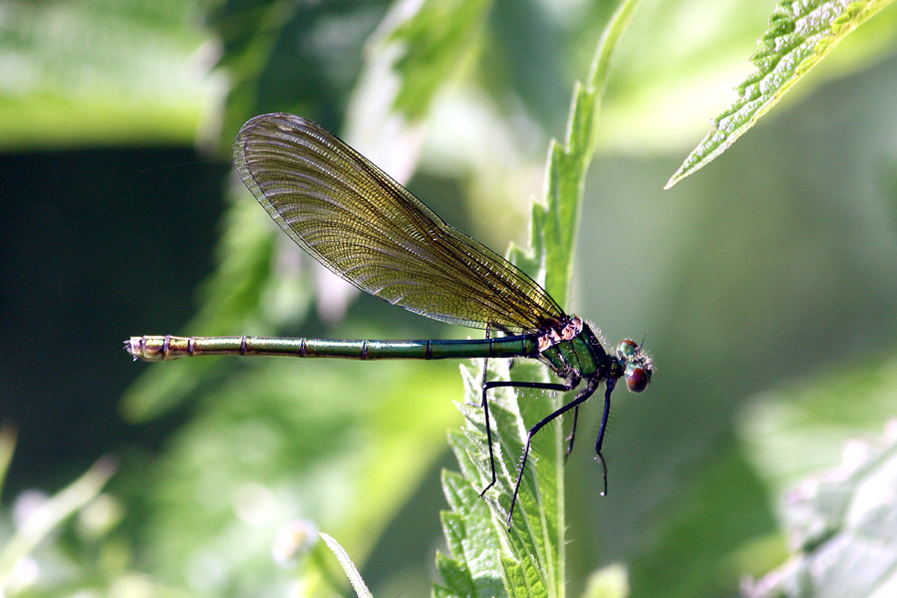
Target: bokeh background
point(764, 285)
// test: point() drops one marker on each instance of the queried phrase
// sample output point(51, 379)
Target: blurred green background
point(765, 284)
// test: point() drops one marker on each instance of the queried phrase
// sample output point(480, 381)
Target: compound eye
point(637, 379)
point(627, 348)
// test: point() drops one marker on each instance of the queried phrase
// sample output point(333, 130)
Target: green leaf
point(702, 548)
point(420, 49)
point(524, 561)
point(529, 555)
point(845, 528)
point(554, 225)
point(343, 457)
point(804, 441)
point(99, 73)
point(439, 39)
point(297, 57)
point(475, 569)
point(798, 430)
point(800, 34)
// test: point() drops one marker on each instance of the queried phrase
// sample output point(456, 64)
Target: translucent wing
point(372, 232)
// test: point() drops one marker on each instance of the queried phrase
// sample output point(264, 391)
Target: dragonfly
point(372, 232)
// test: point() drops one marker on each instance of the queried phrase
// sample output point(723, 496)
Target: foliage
point(837, 479)
point(529, 555)
point(95, 72)
point(765, 286)
point(800, 35)
point(842, 527)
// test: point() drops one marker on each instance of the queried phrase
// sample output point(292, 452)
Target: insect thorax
point(573, 350)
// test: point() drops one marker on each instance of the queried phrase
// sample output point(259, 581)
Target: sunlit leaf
point(800, 34)
point(844, 525)
point(440, 37)
point(532, 557)
point(100, 73)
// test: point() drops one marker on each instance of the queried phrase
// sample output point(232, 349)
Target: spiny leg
point(611, 383)
point(510, 383)
point(572, 437)
point(581, 398)
point(486, 385)
point(485, 405)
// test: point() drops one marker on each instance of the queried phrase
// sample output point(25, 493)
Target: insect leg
point(572, 437)
point(611, 383)
point(570, 385)
point(485, 405)
point(581, 398)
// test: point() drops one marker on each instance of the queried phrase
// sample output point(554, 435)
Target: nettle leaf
point(526, 561)
point(487, 558)
point(800, 34)
point(554, 224)
point(435, 42)
point(101, 74)
point(844, 528)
